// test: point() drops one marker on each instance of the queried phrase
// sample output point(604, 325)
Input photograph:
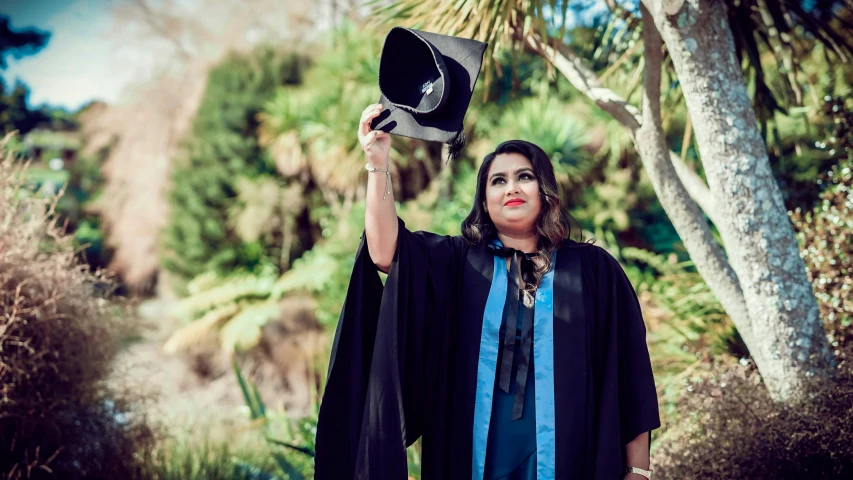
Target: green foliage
point(826, 239)
point(687, 324)
point(550, 125)
point(607, 205)
point(325, 270)
point(448, 214)
point(293, 460)
point(182, 460)
point(809, 140)
point(16, 114)
point(222, 166)
point(311, 129)
point(236, 306)
point(676, 287)
point(413, 457)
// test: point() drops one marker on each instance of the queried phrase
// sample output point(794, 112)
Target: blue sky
point(79, 63)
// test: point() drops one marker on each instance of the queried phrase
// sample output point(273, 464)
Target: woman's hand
point(375, 143)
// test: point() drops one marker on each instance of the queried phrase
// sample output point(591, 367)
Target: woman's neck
point(525, 242)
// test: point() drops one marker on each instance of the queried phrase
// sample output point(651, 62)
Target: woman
point(512, 351)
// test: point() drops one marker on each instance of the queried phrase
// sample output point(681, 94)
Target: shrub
point(731, 428)
point(181, 460)
point(228, 210)
point(826, 239)
point(58, 337)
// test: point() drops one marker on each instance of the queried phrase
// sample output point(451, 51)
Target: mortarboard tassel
point(455, 146)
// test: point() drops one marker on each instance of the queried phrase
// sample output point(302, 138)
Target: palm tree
point(759, 278)
point(309, 128)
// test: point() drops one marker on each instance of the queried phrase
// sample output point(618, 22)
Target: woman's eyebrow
point(520, 170)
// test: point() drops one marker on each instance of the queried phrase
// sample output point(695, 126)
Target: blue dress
point(511, 446)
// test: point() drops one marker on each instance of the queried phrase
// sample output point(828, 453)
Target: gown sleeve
point(626, 388)
point(387, 336)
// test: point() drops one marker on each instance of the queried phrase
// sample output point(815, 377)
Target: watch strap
point(639, 471)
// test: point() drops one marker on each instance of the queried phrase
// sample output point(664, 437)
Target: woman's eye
point(497, 181)
point(525, 176)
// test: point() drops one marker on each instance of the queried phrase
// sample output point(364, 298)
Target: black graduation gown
point(404, 364)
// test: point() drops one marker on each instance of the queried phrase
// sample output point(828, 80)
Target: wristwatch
point(639, 471)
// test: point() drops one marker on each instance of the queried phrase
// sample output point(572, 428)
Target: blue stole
point(543, 365)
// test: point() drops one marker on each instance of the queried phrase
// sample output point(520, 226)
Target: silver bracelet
point(639, 471)
point(370, 168)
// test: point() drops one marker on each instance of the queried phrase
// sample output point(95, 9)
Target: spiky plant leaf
point(288, 468)
point(250, 393)
point(297, 448)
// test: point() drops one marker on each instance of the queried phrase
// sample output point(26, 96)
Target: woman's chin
point(519, 225)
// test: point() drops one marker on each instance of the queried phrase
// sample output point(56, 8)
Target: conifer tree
point(221, 151)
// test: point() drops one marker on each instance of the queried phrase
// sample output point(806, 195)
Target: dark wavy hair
point(554, 224)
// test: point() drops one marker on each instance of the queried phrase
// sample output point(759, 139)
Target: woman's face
point(512, 194)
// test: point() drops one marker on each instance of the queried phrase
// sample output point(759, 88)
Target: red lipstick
point(514, 202)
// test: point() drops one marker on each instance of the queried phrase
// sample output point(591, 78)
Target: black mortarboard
point(426, 81)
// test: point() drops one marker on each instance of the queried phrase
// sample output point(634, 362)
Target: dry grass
point(59, 334)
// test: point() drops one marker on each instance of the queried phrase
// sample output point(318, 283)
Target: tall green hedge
point(220, 153)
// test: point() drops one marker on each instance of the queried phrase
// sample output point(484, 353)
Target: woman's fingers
point(367, 115)
point(371, 138)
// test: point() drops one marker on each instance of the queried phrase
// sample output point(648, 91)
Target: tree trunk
point(685, 215)
point(753, 222)
point(673, 182)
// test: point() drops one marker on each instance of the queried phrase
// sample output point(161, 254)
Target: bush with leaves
point(237, 306)
point(310, 129)
point(728, 425)
point(731, 428)
point(228, 208)
point(182, 459)
point(292, 445)
point(59, 334)
point(826, 238)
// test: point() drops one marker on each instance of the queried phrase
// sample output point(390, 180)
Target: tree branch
point(706, 253)
point(569, 65)
point(695, 186)
point(157, 25)
point(566, 61)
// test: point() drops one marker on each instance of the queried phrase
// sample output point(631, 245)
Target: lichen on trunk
point(790, 343)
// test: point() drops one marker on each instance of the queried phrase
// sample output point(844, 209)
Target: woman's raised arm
point(380, 215)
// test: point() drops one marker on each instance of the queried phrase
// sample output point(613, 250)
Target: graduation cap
point(426, 81)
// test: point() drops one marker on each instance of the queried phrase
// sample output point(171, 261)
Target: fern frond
point(236, 288)
point(193, 332)
point(243, 331)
